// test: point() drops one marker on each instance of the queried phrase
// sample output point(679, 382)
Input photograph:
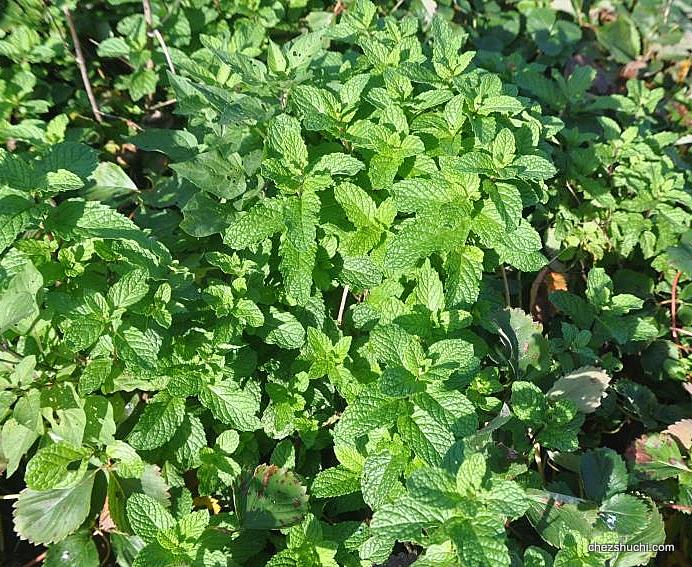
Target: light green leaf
point(56, 466)
point(380, 476)
point(147, 516)
point(231, 404)
point(283, 137)
point(464, 269)
point(158, 422)
point(260, 222)
point(335, 481)
point(129, 289)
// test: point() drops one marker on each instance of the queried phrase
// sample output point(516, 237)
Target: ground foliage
point(345, 284)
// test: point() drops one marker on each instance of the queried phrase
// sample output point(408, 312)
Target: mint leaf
point(158, 422)
point(147, 516)
point(232, 405)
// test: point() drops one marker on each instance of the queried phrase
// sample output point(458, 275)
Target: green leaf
point(18, 299)
point(130, 464)
point(78, 159)
point(335, 481)
point(480, 541)
point(49, 516)
point(147, 516)
point(658, 457)
point(15, 217)
point(138, 349)
point(231, 404)
point(507, 498)
point(603, 473)
point(651, 531)
point(534, 167)
point(77, 549)
point(263, 220)
point(109, 180)
point(380, 476)
point(158, 422)
point(283, 329)
point(360, 272)
point(204, 215)
point(621, 38)
point(405, 519)
point(428, 290)
point(113, 47)
point(422, 236)
point(528, 402)
point(521, 248)
point(555, 515)
point(470, 474)
point(94, 375)
point(179, 145)
point(433, 487)
point(142, 83)
point(283, 137)
point(57, 466)
point(502, 104)
point(368, 411)
point(503, 148)
point(357, 204)
point(464, 269)
point(214, 173)
point(680, 255)
point(129, 289)
point(507, 201)
point(296, 268)
point(624, 513)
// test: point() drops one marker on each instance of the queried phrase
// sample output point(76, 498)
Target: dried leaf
point(585, 387)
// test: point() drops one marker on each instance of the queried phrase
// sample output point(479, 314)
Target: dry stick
point(163, 104)
point(154, 32)
point(683, 331)
point(342, 306)
point(674, 306)
point(508, 298)
point(535, 286)
point(79, 57)
point(166, 54)
point(539, 460)
point(36, 560)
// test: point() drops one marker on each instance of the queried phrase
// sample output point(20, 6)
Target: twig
point(539, 460)
point(148, 18)
point(154, 32)
point(36, 560)
point(342, 306)
point(79, 57)
point(163, 104)
point(508, 298)
point(396, 6)
point(676, 330)
point(674, 307)
point(127, 121)
point(535, 286)
point(166, 54)
point(569, 187)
